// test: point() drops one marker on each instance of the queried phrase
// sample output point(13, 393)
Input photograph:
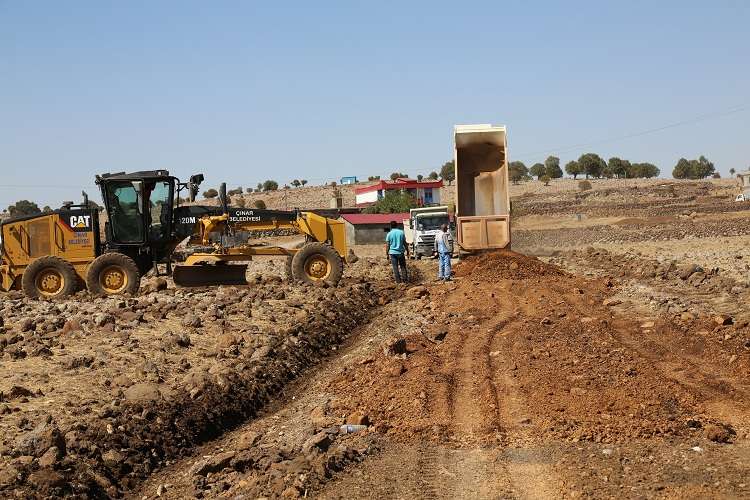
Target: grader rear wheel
point(113, 273)
point(290, 277)
point(316, 262)
point(49, 277)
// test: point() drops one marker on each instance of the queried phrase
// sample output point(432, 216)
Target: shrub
point(545, 179)
point(270, 185)
point(210, 193)
point(584, 185)
point(259, 204)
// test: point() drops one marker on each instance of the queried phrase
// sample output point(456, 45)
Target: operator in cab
point(396, 252)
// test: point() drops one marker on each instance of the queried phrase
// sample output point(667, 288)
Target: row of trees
point(588, 164)
point(262, 187)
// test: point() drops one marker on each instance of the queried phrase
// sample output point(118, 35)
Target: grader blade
point(210, 275)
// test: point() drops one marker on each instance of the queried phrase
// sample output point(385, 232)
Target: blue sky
point(245, 91)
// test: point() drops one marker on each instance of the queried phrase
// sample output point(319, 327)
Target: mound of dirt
point(505, 264)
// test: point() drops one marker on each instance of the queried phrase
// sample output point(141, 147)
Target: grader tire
point(288, 264)
point(316, 262)
point(49, 277)
point(113, 273)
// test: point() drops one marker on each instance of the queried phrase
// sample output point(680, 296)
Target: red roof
point(400, 183)
point(357, 219)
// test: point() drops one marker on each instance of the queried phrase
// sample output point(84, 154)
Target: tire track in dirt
point(529, 469)
point(475, 408)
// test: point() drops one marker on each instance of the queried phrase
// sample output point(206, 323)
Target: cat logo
point(80, 222)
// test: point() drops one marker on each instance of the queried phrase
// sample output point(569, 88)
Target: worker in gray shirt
point(444, 251)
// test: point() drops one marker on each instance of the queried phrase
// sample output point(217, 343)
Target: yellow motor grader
point(55, 254)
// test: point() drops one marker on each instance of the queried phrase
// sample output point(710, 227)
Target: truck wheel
point(113, 273)
point(49, 277)
point(316, 262)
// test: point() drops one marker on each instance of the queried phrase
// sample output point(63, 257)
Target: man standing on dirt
point(396, 251)
point(443, 250)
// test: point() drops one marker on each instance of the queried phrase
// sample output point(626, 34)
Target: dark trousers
point(399, 261)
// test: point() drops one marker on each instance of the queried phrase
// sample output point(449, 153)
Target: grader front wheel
point(316, 262)
point(113, 273)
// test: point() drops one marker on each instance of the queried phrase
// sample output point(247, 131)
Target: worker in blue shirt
point(396, 252)
point(444, 251)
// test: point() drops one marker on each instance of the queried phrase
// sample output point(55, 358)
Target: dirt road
point(515, 381)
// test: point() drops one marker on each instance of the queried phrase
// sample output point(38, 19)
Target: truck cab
point(423, 226)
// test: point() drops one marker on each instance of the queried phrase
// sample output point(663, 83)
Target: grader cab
point(55, 254)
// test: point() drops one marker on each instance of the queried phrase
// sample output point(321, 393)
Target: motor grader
point(54, 254)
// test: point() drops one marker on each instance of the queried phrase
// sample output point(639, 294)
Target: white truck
point(421, 228)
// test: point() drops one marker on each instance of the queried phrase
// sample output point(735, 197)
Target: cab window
point(159, 207)
point(125, 219)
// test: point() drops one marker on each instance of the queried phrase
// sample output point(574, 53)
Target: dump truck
point(421, 228)
point(481, 187)
point(53, 255)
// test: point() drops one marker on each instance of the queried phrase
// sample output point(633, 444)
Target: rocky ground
point(617, 364)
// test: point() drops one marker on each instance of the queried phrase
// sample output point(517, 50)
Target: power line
point(695, 119)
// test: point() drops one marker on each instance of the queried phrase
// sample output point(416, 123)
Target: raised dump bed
point(482, 197)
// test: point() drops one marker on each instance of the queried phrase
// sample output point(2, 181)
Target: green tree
point(420, 177)
point(210, 193)
point(373, 178)
point(693, 169)
point(23, 207)
point(393, 202)
point(538, 170)
point(552, 167)
point(592, 164)
point(47, 209)
point(573, 168)
point(270, 185)
point(647, 170)
point(517, 171)
point(618, 167)
point(545, 179)
point(448, 172)
point(303, 181)
point(433, 175)
point(249, 190)
point(296, 183)
point(705, 167)
point(732, 171)
point(259, 187)
point(397, 175)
